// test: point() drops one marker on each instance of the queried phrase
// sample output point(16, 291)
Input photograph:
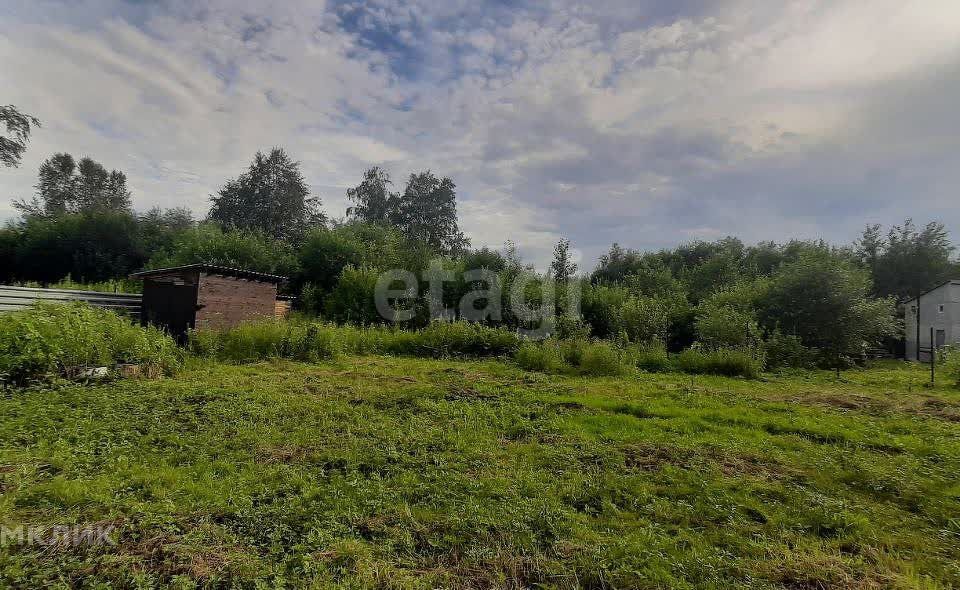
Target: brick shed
point(204, 296)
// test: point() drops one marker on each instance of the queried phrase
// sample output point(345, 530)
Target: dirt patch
point(461, 393)
point(819, 572)
point(933, 407)
point(284, 454)
point(165, 556)
point(650, 457)
point(745, 464)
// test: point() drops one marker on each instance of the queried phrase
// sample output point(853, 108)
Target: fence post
point(933, 359)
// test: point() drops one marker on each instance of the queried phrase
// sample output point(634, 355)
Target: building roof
point(932, 289)
point(211, 269)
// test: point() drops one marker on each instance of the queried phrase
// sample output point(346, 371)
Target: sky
point(647, 123)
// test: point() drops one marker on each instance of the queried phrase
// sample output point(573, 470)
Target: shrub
point(572, 350)
point(596, 358)
point(602, 359)
point(949, 357)
point(51, 340)
point(645, 319)
point(543, 357)
point(310, 342)
point(444, 339)
point(721, 325)
point(652, 358)
point(352, 300)
point(786, 351)
point(725, 362)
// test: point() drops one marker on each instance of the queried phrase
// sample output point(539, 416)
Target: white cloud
point(600, 123)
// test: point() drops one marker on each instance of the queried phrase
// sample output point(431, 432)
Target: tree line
point(800, 302)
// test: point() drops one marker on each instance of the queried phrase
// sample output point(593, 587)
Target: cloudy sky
point(644, 122)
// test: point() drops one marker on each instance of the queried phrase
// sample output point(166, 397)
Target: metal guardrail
point(15, 298)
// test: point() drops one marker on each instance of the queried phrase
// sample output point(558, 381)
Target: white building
point(939, 309)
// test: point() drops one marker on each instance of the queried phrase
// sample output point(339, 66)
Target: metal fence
point(14, 298)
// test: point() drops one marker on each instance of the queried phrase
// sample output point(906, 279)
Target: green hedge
point(50, 341)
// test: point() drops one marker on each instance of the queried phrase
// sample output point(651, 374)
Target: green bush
point(543, 357)
point(725, 362)
point(352, 299)
point(652, 358)
point(603, 359)
point(597, 358)
point(949, 358)
point(573, 350)
point(784, 351)
point(49, 341)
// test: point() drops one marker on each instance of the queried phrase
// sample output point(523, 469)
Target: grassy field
point(403, 473)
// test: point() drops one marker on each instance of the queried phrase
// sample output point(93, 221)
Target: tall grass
point(726, 362)
point(311, 341)
point(49, 341)
point(603, 358)
point(109, 286)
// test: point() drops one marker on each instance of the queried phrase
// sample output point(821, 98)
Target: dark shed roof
point(212, 269)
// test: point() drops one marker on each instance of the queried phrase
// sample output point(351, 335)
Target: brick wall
point(227, 301)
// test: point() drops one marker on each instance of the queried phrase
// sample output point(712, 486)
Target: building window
point(940, 308)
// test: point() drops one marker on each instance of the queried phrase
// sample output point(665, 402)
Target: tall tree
point(67, 186)
point(908, 261)
point(563, 267)
point(271, 197)
point(160, 228)
point(427, 212)
point(373, 201)
point(14, 143)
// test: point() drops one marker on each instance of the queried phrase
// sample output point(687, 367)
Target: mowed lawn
point(405, 473)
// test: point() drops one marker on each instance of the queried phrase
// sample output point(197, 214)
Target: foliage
point(722, 326)
point(651, 357)
point(372, 200)
point(645, 319)
point(600, 358)
point(84, 186)
point(542, 357)
point(726, 362)
point(352, 300)
point(108, 286)
point(89, 246)
point(824, 300)
point(312, 341)
point(271, 198)
point(49, 341)
point(563, 268)
point(427, 212)
point(949, 358)
point(159, 228)
point(785, 351)
point(908, 261)
point(208, 244)
point(14, 143)
point(601, 307)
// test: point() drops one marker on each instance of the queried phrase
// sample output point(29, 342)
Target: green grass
point(407, 473)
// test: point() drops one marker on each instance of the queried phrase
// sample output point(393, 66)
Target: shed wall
point(225, 301)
